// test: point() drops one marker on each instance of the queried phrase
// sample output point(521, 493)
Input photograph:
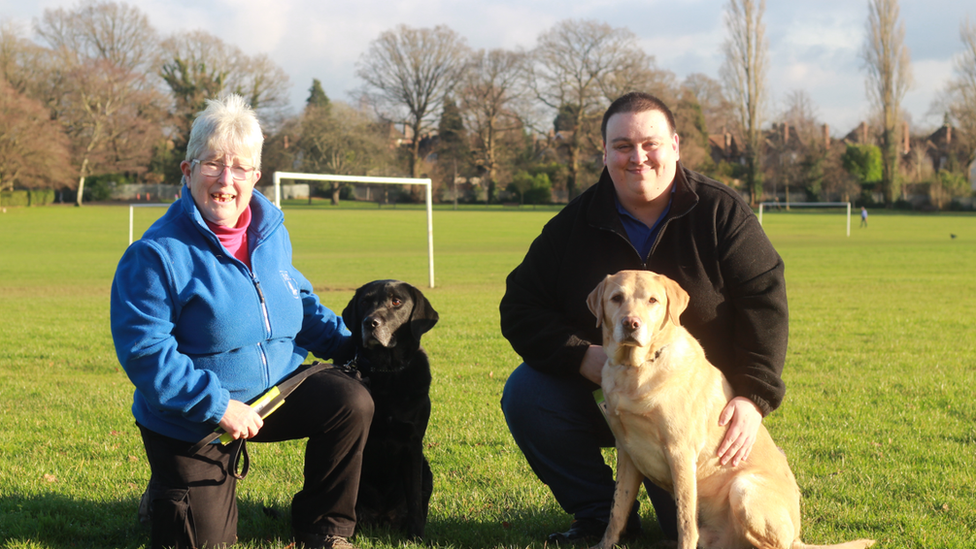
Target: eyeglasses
point(214, 169)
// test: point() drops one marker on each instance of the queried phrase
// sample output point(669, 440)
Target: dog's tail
point(857, 544)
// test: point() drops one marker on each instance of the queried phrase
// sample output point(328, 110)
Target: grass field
point(879, 420)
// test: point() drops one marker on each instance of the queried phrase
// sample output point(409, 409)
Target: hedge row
point(27, 198)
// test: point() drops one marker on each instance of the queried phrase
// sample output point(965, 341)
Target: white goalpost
point(278, 176)
point(132, 208)
point(809, 205)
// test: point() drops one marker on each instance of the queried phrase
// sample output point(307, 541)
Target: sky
point(813, 46)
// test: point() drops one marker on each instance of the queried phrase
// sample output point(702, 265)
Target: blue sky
point(814, 46)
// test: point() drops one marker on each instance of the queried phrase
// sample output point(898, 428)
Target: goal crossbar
point(809, 205)
point(278, 176)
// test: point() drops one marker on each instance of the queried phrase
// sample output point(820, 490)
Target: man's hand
point(745, 420)
point(240, 420)
point(592, 366)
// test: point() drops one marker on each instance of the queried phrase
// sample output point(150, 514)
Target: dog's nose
point(631, 323)
point(371, 322)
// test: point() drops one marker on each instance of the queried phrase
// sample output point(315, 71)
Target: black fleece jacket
point(710, 243)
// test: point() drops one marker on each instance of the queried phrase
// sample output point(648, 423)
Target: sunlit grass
point(879, 422)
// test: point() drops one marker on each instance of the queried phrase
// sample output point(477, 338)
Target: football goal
point(132, 209)
point(789, 205)
point(278, 176)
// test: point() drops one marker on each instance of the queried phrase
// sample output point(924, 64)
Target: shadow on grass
point(526, 528)
point(57, 521)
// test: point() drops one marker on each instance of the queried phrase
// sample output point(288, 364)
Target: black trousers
point(193, 498)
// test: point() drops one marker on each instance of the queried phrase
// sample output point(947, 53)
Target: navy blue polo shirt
point(641, 236)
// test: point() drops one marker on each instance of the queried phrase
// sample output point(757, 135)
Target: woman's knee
point(361, 403)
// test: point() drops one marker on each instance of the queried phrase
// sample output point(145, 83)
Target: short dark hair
point(637, 102)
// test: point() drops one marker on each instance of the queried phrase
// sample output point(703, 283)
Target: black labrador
point(387, 319)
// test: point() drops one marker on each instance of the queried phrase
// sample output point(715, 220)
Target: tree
point(408, 73)
point(111, 117)
point(33, 149)
point(532, 189)
point(960, 96)
point(690, 121)
point(316, 96)
point(23, 64)
point(947, 185)
point(577, 69)
point(117, 33)
point(888, 65)
point(451, 146)
point(340, 140)
point(708, 93)
point(701, 111)
point(197, 66)
point(795, 148)
point(744, 74)
point(864, 162)
point(100, 94)
point(489, 96)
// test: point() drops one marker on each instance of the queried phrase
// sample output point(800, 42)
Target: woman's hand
point(240, 420)
point(745, 420)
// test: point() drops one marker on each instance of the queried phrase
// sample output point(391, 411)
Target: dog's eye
point(617, 298)
point(396, 302)
point(652, 300)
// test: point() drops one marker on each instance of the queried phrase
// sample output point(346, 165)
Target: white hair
point(228, 126)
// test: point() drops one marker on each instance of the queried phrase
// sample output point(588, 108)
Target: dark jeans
point(194, 497)
point(557, 425)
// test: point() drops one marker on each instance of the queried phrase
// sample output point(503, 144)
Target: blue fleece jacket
point(194, 327)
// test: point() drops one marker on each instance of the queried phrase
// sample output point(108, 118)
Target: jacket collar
point(265, 216)
point(602, 210)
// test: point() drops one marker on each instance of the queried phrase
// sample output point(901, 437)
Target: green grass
point(879, 421)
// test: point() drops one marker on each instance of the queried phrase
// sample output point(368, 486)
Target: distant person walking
point(864, 216)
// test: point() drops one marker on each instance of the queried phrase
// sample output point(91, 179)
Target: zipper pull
point(264, 304)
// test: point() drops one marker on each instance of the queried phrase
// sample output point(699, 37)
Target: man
point(646, 212)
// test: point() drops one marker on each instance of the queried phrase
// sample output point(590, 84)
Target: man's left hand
point(745, 419)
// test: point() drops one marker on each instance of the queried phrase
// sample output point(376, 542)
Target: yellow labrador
point(663, 400)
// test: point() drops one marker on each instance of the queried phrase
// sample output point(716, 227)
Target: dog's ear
point(677, 299)
point(595, 301)
point(423, 317)
point(351, 316)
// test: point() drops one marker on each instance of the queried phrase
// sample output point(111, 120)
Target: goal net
point(278, 176)
point(789, 205)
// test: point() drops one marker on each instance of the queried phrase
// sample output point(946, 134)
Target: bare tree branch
point(889, 76)
point(115, 32)
point(578, 68)
point(489, 95)
point(408, 73)
point(745, 74)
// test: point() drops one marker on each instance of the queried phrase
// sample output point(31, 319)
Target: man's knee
point(515, 403)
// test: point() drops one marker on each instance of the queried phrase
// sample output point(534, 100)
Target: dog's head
point(634, 306)
point(385, 311)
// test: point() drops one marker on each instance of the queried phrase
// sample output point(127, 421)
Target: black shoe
point(584, 530)
point(304, 540)
point(590, 531)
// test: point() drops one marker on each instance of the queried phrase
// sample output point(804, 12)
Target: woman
point(208, 312)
